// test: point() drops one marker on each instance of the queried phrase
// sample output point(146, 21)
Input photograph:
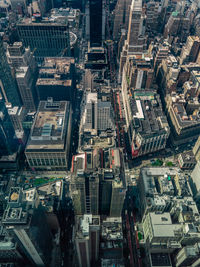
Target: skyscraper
point(87, 230)
point(56, 79)
point(23, 62)
point(196, 149)
point(8, 143)
point(84, 186)
point(97, 114)
point(21, 220)
point(121, 12)
point(136, 41)
point(48, 37)
point(95, 22)
point(8, 86)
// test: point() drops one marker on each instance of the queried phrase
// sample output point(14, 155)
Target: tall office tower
point(84, 185)
point(8, 143)
point(177, 25)
point(57, 79)
point(160, 52)
point(21, 221)
point(87, 228)
point(8, 86)
point(191, 50)
point(136, 41)
point(18, 56)
point(97, 114)
point(23, 62)
point(195, 183)
point(19, 6)
point(49, 142)
point(112, 188)
point(95, 22)
point(47, 37)
point(121, 17)
point(10, 253)
point(196, 149)
point(152, 14)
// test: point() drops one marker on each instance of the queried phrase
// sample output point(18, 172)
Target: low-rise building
point(187, 160)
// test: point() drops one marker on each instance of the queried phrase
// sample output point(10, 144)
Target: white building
point(97, 115)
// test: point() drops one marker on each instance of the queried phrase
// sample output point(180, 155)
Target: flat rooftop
point(47, 21)
point(160, 259)
point(45, 81)
point(50, 126)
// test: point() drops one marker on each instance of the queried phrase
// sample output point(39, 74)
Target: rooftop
point(160, 259)
point(111, 228)
point(50, 125)
point(41, 21)
point(148, 117)
point(83, 224)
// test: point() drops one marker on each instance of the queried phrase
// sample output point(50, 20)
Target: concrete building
point(87, 230)
point(196, 149)
point(191, 50)
point(57, 79)
point(160, 260)
point(111, 242)
point(188, 256)
point(9, 250)
point(158, 198)
point(21, 220)
point(49, 142)
point(47, 37)
point(97, 114)
point(17, 116)
point(121, 18)
point(23, 63)
point(167, 75)
point(112, 184)
point(187, 160)
point(153, 10)
point(195, 182)
point(136, 41)
point(160, 233)
point(184, 123)
point(160, 52)
point(177, 25)
point(97, 182)
point(138, 72)
point(95, 22)
point(8, 86)
point(19, 6)
point(170, 218)
point(84, 185)
point(146, 123)
point(8, 144)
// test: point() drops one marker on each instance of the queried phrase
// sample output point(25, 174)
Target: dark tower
point(95, 23)
point(8, 86)
point(8, 143)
